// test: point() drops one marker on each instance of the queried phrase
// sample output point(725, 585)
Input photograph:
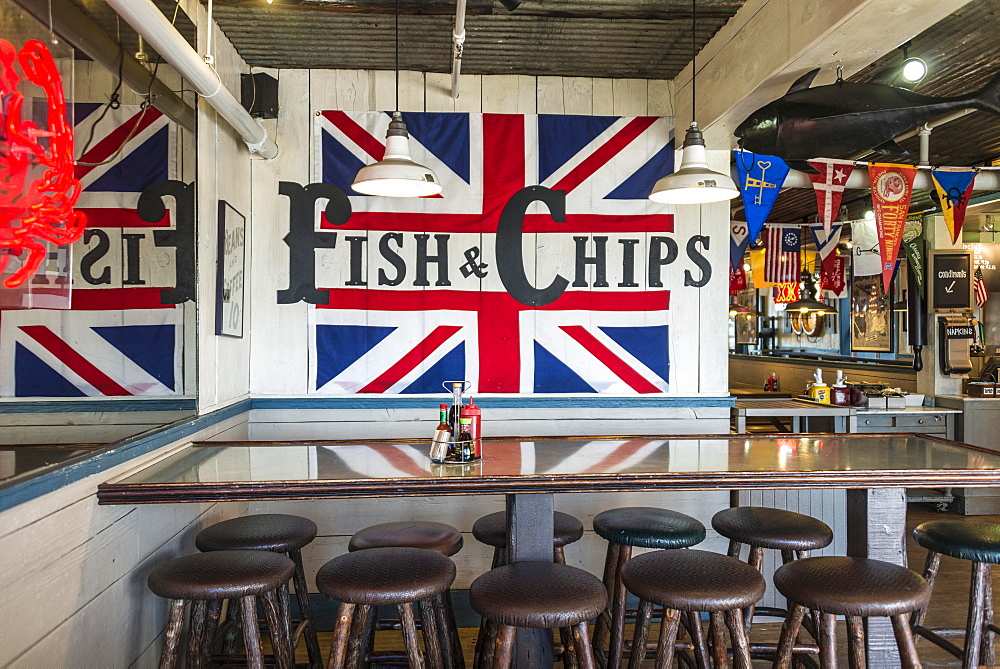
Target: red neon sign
point(42, 210)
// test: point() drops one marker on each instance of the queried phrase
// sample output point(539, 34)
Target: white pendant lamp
point(397, 175)
point(694, 182)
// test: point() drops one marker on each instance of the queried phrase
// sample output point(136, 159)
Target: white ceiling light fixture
point(397, 175)
point(913, 69)
point(694, 182)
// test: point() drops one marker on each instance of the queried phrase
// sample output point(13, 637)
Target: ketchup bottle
point(475, 428)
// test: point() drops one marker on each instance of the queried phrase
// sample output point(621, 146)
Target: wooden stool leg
point(931, 566)
point(642, 618)
point(697, 639)
point(277, 625)
point(357, 644)
point(974, 627)
point(437, 603)
point(338, 648)
point(251, 636)
point(172, 640)
point(410, 635)
point(717, 637)
point(211, 624)
point(756, 560)
point(196, 633)
point(451, 627)
point(486, 659)
point(668, 634)
point(569, 654)
point(499, 555)
point(305, 611)
point(234, 624)
point(503, 647)
point(856, 642)
point(789, 632)
point(741, 645)
point(908, 658)
point(432, 635)
point(827, 640)
point(558, 555)
point(618, 610)
point(987, 653)
point(603, 623)
point(584, 653)
point(734, 549)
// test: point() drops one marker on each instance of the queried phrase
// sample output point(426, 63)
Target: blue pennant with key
point(761, 178)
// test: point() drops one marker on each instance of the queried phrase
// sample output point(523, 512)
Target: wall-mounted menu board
point(951, 280)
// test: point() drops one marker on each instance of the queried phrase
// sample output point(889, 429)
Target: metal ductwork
point(79, 30)
point(147, 20)
point(985, 180)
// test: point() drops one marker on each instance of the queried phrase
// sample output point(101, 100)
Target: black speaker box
point(259, 93)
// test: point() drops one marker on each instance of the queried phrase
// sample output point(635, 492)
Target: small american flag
point(781, 261)
point(979, 287)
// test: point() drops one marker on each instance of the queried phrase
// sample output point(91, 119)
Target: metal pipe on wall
point(79, 30)
point(985, 180)
point(147, 20)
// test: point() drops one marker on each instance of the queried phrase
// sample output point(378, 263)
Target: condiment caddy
point(458, 436)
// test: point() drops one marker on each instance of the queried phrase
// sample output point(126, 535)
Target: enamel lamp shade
point(694, 182)
point(397, 175)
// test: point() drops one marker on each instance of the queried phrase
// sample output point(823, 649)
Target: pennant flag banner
point(826, 239)
point(781, 264)
point(914, 248)
point(833, 276)
point(761, 178)
point(892, 188)
point(954, 187)
point(737, 280)
point(738, 241)
point(829, 187)
point(758, 258)
point(786, 292)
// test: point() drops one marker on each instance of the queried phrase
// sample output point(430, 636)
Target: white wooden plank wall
point(75, 572)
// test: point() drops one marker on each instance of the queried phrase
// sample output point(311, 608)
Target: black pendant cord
point(694, 52)
point(397, 55)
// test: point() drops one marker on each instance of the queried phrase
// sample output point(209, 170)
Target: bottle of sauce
point(819, 391)
point(476, 426)
point(464, 446)
point(442, 438)
point(840, 394)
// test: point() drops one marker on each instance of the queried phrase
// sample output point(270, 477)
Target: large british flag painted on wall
point(116, 338)
point(419, 293)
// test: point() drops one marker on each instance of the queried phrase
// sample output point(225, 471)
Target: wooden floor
point(948, 609)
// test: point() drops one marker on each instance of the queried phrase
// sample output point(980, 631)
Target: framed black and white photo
point(230, 282)
point(871, 315)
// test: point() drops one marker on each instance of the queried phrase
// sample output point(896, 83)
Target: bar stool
point(978, 542)
point(855, 588)
point(277, 533)
point(491, 530)
point(541, 595)
point(794, 534)
point(206, 579)
point(397, 576)
point(690, 582)
point(625, 528)
point(429, 535)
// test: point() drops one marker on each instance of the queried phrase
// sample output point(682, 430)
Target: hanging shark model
point(844, 118)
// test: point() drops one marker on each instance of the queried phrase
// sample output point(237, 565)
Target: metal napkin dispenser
point(955, 333)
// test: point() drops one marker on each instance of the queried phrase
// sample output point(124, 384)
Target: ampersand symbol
point(473, 266)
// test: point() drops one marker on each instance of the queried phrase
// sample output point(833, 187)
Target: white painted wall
point(73, 578)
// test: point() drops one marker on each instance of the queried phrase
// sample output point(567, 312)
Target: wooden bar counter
point(875, 469)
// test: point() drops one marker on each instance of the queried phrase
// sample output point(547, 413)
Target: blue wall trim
point(517, 402)
point(116, 453)
point(98, 406)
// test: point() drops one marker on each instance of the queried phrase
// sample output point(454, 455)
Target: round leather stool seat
point(432, 536)
point(977, 541)
point(275, 532)
point(492, 529)
point(221, 575)
point(388, 575)
point(852, 586)
point(772, 528)
point(648, 527)
point(538, 594)
point(693, 580)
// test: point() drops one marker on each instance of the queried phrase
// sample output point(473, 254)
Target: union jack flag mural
point(119, 337)
point(542, 268)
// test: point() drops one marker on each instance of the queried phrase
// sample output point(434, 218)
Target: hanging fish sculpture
point(845, 118)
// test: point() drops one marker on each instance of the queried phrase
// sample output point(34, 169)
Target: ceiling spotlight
point(913, 69)
point(746, 267)
point(868, 214)
point(511, 5)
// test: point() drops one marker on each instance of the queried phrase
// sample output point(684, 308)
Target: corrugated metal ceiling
point(601, 38)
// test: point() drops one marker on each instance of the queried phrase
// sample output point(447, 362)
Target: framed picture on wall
point(871, 315)
point(746, 324)
point(229, 297)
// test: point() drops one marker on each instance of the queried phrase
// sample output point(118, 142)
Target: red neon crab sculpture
point(39, 209)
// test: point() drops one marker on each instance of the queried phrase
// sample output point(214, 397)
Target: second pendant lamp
point(694, 182)
point(397, 175)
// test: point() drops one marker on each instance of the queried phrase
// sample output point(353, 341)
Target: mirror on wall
point(99, 342)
